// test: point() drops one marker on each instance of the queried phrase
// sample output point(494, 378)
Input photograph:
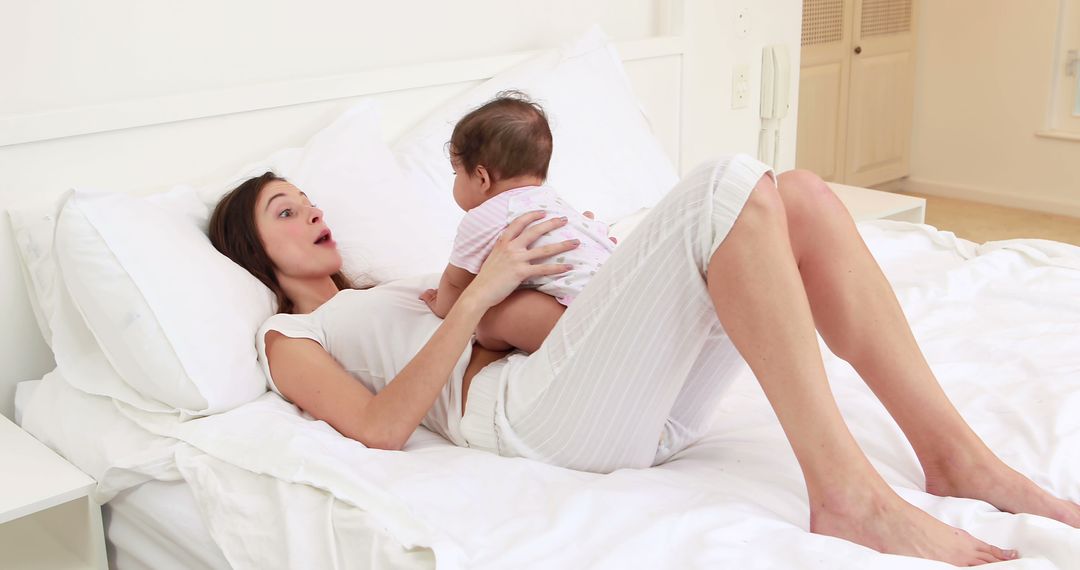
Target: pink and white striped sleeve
point(477, 234)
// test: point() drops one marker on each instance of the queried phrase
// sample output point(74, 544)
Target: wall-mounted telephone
point(775, 99)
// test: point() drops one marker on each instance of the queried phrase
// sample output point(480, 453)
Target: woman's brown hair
point(233, 232)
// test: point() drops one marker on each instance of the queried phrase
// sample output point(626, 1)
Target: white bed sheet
point(998, 322)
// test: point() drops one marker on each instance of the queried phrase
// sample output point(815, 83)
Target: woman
point(732, 264)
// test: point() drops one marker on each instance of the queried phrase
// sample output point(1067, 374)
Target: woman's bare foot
point(988, 479)
point(885, 522)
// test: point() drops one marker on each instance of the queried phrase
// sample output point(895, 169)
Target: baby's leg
point(523, 320)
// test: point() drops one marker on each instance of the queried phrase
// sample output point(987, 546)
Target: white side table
point(47, 518)
point(863, 204)
point(866, 204)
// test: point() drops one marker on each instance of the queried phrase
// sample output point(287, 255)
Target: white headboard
point(677, 64)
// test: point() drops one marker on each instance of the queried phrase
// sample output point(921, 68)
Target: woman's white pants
point(635, 367)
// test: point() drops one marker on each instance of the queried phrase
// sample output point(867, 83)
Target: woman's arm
point(310, 377)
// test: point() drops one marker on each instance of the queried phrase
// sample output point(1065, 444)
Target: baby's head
point(504, 144)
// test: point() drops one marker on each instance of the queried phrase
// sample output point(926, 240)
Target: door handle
point(858, 50)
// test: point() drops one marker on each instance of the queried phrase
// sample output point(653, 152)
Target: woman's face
point(293, 232)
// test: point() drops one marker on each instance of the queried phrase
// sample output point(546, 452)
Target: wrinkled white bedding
point(999, 323)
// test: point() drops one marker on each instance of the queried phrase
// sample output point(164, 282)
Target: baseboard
point(932, 188)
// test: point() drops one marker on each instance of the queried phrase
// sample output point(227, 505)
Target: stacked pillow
point(604, 157)
point(383, 228)
point(174, 317)
point(138, 306)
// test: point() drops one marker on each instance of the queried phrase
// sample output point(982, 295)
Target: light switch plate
point(740, 86)
point(742, 22)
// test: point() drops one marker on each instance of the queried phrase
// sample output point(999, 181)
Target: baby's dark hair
point(508, 135)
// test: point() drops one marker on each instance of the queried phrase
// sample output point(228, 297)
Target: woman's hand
point(510, 262)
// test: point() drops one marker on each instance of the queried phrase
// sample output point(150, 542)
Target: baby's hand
point(592, 216)
point(429, 298)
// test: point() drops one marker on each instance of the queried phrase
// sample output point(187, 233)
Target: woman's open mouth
point(324, 238)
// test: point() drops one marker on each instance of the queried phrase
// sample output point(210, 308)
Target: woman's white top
point(373, 333)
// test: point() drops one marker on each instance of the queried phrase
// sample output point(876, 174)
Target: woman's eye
point(285, 213)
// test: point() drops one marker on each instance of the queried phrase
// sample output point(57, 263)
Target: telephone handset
point(775, 82)
point(775, 99)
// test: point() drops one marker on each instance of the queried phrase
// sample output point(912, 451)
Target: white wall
point(983, 75)
point(57, 54)
point(714, 127)
point(67, 53)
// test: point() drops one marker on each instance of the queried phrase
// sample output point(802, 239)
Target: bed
point(216, 477)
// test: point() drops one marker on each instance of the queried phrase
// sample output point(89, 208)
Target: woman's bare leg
point(862, 322)
point(758, 293)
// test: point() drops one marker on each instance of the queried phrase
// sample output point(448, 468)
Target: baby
point(500, 154)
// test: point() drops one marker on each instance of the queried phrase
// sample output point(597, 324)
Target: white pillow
point(385, 230)
point(32, 226)
point(61, 325)
point(336, 163)
point(165, 345)
point(175, 318)
point(605, 157)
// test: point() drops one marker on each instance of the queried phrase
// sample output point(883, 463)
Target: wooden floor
point(981, 222)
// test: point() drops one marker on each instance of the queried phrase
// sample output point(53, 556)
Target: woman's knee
point(807, 197)
point(765, 202)
point(761, 220)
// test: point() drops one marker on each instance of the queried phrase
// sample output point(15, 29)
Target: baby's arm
point(454, 280)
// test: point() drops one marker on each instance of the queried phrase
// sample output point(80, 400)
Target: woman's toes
point(1000, 554)
point(1068, 513)
point(1076, 515)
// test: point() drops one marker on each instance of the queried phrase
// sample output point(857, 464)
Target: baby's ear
point(484, 177)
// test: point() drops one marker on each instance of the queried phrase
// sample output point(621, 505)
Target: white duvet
point(999, 324)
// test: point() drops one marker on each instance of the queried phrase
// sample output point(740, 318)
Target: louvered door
point(856, 89)
point(823, 87)
point(881, 93)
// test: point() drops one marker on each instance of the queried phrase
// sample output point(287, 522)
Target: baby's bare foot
point(888, 524)
point(988, 479)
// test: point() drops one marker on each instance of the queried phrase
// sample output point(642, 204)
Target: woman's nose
point(314, 214)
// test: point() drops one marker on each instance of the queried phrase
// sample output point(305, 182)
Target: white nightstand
point(866, 204)
point(47, 519)
point(863, 204)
